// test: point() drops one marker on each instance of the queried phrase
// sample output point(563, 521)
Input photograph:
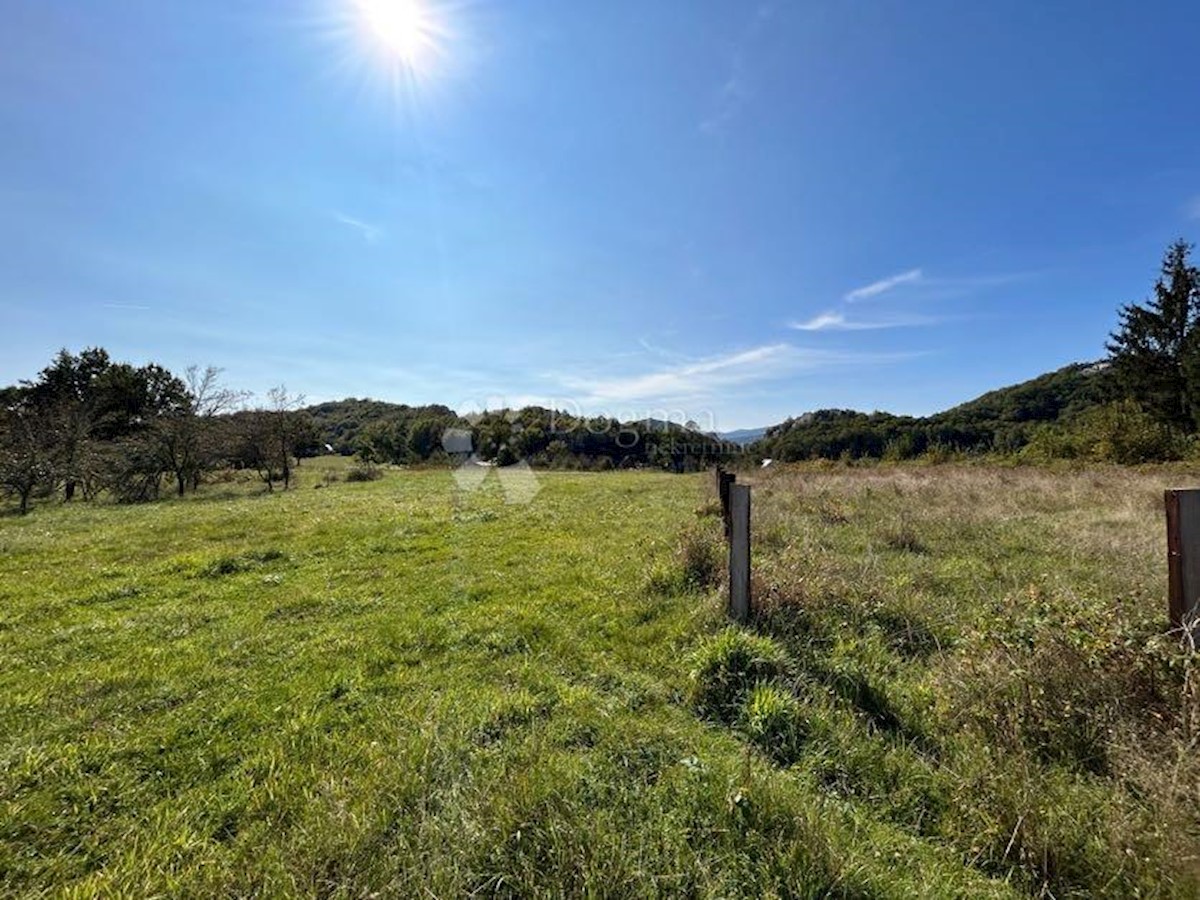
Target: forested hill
point(341, 423)
point(1003, 420)
point(394, 433)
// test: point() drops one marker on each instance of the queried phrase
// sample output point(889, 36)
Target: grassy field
point(396, 688)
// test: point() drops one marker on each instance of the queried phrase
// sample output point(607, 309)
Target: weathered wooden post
point(724, 481)
point(739, 552)
point(1183, 555)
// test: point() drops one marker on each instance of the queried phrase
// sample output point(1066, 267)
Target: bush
point(364, 471)
point(727, 667)
point(774, 720)
point(1118, 432)
point(1123, 433)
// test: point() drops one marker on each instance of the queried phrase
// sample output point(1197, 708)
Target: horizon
point(748, 212)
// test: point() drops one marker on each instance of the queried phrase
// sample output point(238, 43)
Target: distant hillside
point(1003, 420)
point(743, 436)
point(340, 423)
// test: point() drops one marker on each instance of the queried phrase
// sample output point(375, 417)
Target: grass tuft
point(726, 667)
point(774, 720)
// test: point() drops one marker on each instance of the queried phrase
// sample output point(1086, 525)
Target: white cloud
point(875, 288)
point(836, 321)
point(370, 233)
point(1193, 207)
point(710, 377)
point(826, 321)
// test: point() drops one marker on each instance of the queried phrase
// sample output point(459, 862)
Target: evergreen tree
point(1155, 350)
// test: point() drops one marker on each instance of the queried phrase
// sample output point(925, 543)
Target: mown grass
point(393, 687)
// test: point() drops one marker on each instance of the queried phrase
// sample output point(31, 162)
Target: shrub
point(727, 667)
point(1118, 432)
point(1123, 433)
point(364, 471)
point(774, 720)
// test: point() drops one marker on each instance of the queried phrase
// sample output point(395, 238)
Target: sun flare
point(405, 28)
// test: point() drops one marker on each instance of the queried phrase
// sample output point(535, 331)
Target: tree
point(187, 436)
point(1155, 351)
point(93, 408)
point(269, 437)
point(26, 447)
point(383, 441)
point(65, 397)
point(424, 437)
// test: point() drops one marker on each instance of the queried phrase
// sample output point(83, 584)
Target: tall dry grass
point(981, 654)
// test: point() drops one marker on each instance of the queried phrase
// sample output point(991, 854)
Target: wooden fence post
point(739, 552)
point(724, 481)
point(1183, 555)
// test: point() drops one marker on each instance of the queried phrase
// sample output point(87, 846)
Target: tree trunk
point(180, 483)
point(69, 491)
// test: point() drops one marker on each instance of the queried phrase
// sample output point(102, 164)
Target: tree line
point(87, 424)
point(388, 433)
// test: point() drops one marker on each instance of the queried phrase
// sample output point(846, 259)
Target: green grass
point(386, 687)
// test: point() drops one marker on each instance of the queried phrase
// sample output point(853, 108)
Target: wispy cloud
point(826, 321)
point(836, 321)
point(918, 287)
point(883, 285)
point(655, 349)
point(716, 375)
point(370, 233)
point(1193, 208)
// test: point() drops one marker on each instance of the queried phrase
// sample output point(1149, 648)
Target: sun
point(405, 28)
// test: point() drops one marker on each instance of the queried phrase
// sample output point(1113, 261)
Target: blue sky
point(738, 211)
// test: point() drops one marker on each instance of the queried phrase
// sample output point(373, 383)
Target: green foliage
point(1119, 432)
point(1156, 347)
point(386, 432)
point(553, 438)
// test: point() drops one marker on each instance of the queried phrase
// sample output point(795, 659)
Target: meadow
point(956, 685)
